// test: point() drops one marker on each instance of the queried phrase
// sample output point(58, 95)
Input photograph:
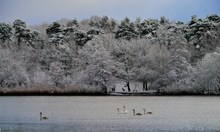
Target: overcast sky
point(38, 11)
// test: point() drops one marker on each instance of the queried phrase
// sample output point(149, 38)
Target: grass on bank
point(47, 91)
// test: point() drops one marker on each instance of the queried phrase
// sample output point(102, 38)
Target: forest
point(92, 55)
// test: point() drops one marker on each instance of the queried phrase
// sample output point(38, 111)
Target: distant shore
point(72, 92)
point(46, 92)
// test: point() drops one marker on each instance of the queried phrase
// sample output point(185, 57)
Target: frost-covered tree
point(104, 24)
point(12, 71)
point(54, 31)
point(81, 37)
point(138, 26)
point(206, 79)
point(22, 33)
point(54, 28)
point(174, 56)
point(138, 56)
point(148, 28)
point(214, 18)
point(62, 35)
point(197, 28)
point(92, 32)
point(126, 30)
point(202, 33)
point(41, 29)
point(73, 23)
point(124, 54)
point(57, 38)
point(94, 21)
point(172, 36)
point(133, 55)
point(143, 61)
point(58, 34)
point(97, 68)
point(113, 24)
point(5, 32)
point(158, 67)
point(55, 62)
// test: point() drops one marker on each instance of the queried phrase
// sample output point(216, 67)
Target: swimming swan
point(43, 117)
point(146, 112)
point(125, 111)
point(139, 114)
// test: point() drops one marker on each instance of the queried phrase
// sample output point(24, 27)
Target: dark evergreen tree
point(138, 26)
point(148, 28)
point(56, 33)
point(5, 32)
point(104, 22)
point(215, 18)
point(113, 25)
point(126, 30)
point(93, 31)
point(54, 28)
point(22, 33)
point(81, 37)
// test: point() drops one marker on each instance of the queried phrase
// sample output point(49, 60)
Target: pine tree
point(5, 32)
point(81, 37)
point(93, 31)
point(54, 28)
point(56, 33)
point(22, 33)
point(148, 28)
point(126, 30)
point(214, 18)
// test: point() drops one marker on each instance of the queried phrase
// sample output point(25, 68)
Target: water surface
point(98, 114)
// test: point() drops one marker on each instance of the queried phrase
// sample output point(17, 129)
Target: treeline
point(95, 54)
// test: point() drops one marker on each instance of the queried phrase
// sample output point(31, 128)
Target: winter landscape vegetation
point(92, 55)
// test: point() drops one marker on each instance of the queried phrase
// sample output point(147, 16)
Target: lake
point(99, 113)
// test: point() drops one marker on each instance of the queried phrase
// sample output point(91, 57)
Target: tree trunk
point(128, 86)
point(19, 42)
point(127, 83)
point(145, 86)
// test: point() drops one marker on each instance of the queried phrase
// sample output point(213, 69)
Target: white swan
point(147, 112)
point(125, 111)
point(43, 117)
point(138, 114)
